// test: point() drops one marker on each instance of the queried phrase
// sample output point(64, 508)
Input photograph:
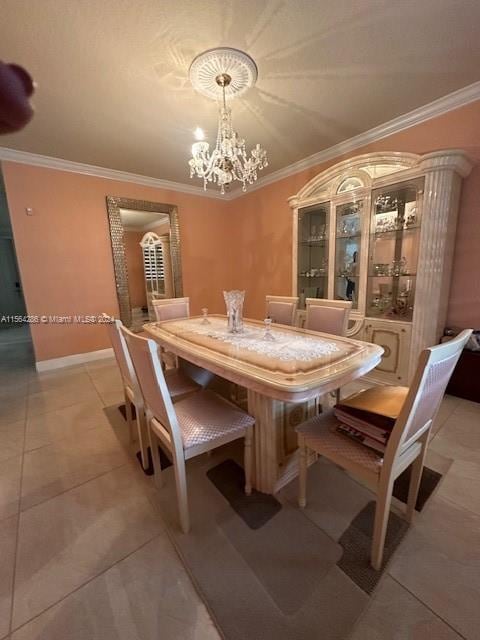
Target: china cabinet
point(379, 230)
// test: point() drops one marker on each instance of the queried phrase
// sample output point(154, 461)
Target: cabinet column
point(434, 270)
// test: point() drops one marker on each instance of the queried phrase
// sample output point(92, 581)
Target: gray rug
point(356, 543)
point(278, 582)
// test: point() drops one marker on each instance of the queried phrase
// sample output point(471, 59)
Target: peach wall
point(65, 255)
point(135, 270)
point(66, 261)
point(263, 220)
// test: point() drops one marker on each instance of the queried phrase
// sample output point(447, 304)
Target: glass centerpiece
point(234, 302)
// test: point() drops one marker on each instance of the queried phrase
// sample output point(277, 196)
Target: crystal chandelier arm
point(228, 161)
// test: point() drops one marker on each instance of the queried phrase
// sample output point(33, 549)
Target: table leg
point(275, 447)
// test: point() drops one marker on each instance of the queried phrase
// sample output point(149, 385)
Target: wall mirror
point(145, 241)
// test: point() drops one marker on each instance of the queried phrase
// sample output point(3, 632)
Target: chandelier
point(221, 74)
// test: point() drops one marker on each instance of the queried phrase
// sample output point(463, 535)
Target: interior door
point(11, 296)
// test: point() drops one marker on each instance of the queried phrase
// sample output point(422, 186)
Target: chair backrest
point(120, 350)
point(171, 308)
point(434, 369)
point(148, 369)
point(281, 309)
point(327, 316)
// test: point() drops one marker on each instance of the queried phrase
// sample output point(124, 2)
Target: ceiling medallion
point(224, 74)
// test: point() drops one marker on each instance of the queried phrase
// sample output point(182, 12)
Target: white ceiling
point(113, 86)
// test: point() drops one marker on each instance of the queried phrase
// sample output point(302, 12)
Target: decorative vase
point(234, 302)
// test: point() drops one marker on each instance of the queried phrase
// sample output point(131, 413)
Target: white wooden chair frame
point(285, 300)
point(133, 397)
point(403, 449)
point(169, 435)
point(325, 302)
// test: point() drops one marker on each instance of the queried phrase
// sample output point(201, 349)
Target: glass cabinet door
point(312, 276)
point(348, 234)
point(394, 244)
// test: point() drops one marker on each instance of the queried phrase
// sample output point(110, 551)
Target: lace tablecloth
point(286, 346)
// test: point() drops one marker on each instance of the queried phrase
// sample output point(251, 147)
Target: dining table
point(286, 370)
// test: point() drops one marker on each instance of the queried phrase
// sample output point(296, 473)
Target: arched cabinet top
point(363, 171)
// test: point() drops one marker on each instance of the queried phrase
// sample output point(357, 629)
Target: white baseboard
point(76, 358)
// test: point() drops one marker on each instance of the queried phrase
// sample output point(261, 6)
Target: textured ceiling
point(113, 84)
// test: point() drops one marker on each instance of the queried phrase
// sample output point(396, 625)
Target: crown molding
point(447, 103)
point(37, 160)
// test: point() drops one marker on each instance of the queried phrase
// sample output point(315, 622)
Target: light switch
point(29, 211)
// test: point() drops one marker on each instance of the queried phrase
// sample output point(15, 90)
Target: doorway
point(13, 329)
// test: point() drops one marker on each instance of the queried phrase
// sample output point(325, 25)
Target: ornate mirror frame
point(114, 204)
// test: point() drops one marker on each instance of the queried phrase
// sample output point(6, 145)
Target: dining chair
point(179, 386)
point(407, 444)
point(171, 308)
point(195, 425)
point(281, 309)
point(327, 316)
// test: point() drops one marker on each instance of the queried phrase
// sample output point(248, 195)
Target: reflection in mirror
point(145, 244)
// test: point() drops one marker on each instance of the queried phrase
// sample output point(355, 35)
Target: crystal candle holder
point(268, 335)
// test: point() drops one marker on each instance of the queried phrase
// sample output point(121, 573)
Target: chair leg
point(182, 496)
point(142, 434)
point(129, 416)
point(157, 465)
point(415, 479)
point(382, 512)
point(302, 473)
point(248, 460)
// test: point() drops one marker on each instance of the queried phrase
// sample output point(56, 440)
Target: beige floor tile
point(10, 473)
point(66, 541)
point(468, 406)
point(448, 406)
point(70, 377)
point(68, 463)
point(10, 391)
point(11, 439)
point(394, 614)
point(107, 380)
point(101, 363)
point(59, 398)
point(47, 428)
point(12, 409)
point(8, 536)
point(439, 563)
point(461, 485)
point(144, 597)
point(459, 437)
point(114, 397)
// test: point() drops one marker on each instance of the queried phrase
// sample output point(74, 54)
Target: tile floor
point(84, 554)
